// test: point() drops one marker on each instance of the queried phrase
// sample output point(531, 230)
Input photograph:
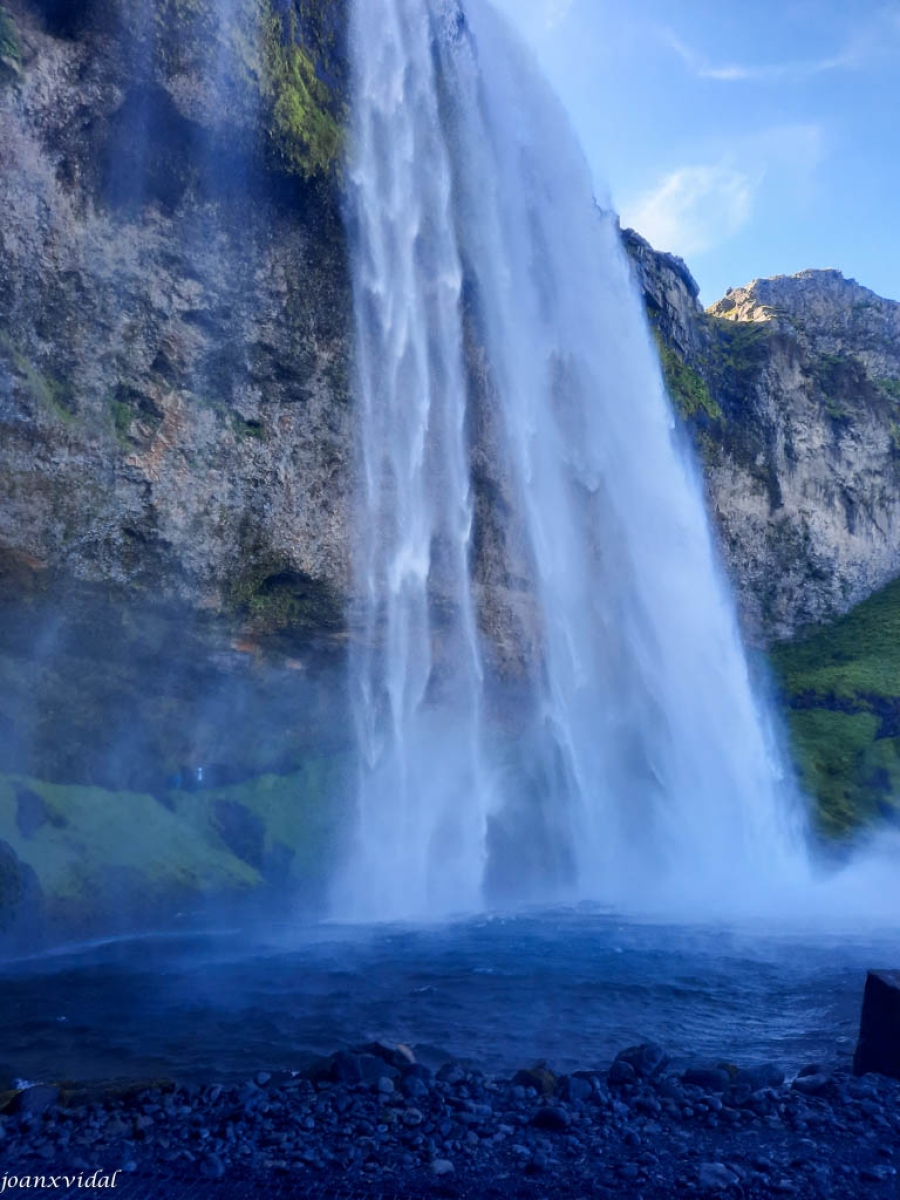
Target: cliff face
point(177, 457)
point(176, 442)
point(173, 337)
point(791, 392)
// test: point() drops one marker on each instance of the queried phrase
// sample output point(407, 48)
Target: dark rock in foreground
point(372, 1121)
point(878, 1048)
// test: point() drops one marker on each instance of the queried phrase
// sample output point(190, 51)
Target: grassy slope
point(91, 841)
point(842, 686)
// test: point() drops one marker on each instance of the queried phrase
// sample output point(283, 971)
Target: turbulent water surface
point(571, 987)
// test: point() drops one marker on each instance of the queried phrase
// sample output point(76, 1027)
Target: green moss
point(830, 750)
point(275, 596)
point(842, 687)
point(253, 430)
point(47, 390)
point(305, 127)
point(122, 416)
point(857, 656)
point(10, 49)
point(298, 817)
point(95, 839)
point(890, 387)
point(688, 392)
point(739, 347)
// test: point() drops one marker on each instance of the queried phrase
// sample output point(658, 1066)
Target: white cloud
point(694, 208)
point(556, 11)
point(873, 39)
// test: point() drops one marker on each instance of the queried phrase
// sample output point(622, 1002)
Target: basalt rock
point(878, 1048)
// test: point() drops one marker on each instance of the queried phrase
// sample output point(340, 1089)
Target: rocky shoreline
point(374, 1121)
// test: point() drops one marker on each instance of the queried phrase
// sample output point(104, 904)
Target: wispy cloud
point(694, 208)
point(878, 36)
point(556, 11)
point(699, 206)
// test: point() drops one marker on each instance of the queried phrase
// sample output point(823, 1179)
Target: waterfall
point(644, 768)
point(417, 671)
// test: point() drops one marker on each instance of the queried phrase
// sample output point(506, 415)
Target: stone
point(878, 1047)
point(647, 1059)
point(212, 1167)
point(414, 1087)
point(398, 1058)
point(539, 1077)
point(811, 1085)
point(710, 1079)
point(35, 1100)
point(620, 1073)
point(554, 1120)
point(360, 1068)
point(715, 1177)
point(766, 1075)
point(442, 1166)
point(451, 1073)
point(576, 1088)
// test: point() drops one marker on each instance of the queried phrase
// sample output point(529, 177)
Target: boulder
point(347, 1067)
point(35, 1099)
point(620, 1073)
point(538, 1077)
point(648, 1059)
point(553, 1120)
point(715, 1177)
point(575, 1088)
point(766, 1075)
point(710, 1079)
point(878, 1048)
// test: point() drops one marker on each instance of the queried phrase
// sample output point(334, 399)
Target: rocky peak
point(832, 315)
point(671, 295)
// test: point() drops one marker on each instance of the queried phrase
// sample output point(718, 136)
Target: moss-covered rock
point(841, 686)
point(305, 117)
point(686, 387)
point(10, 47)
point(21, 899)
point(102, 860)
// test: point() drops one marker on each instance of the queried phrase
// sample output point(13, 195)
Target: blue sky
point(752, 140)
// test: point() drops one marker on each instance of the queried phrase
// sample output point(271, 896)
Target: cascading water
point(417, 672)
point(473, 220)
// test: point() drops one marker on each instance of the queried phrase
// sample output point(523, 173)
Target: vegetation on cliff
point(686, 388)
point(10, 48)
point(841, 686)
point(10, 51)
point(305, 124)
point(64, 846)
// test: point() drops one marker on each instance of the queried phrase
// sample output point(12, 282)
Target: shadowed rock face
point(175, 358)
point(878, 1048)
point(173, 341)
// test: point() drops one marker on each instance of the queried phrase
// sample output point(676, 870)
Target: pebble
point(715, 1176)
point(375, 1116)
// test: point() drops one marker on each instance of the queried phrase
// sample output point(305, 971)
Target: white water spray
point(663, 779)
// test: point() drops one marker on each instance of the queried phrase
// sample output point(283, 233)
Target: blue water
point(571, 987)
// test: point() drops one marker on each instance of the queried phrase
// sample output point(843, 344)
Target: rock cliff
point(790, 388)
point(177, 458)
point(790, 391)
